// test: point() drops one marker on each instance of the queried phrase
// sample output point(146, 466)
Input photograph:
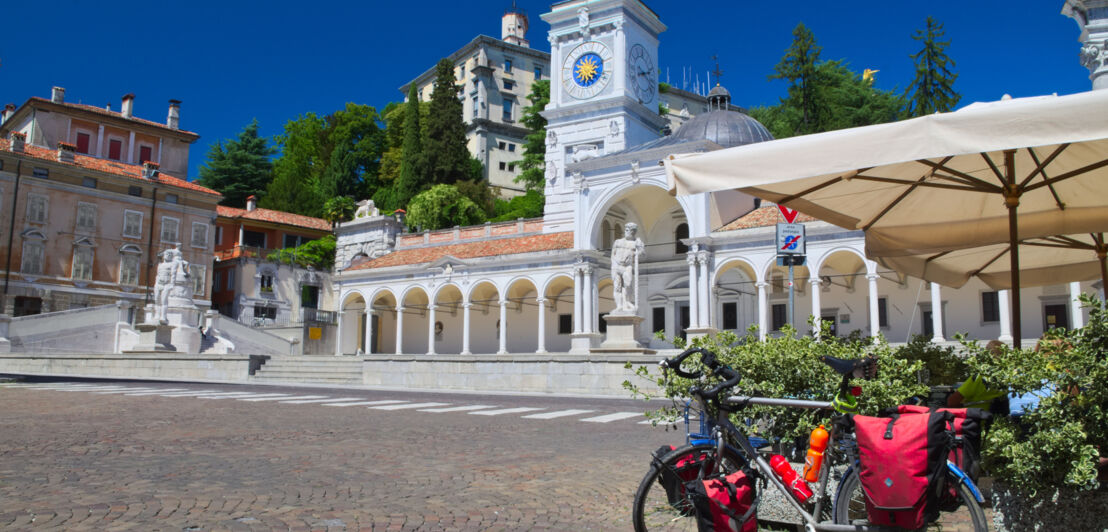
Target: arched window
point(681, 232)
point(34, 248)
point(129, 258)
point(82, 260)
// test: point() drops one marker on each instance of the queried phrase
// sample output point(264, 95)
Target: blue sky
point(232, 61)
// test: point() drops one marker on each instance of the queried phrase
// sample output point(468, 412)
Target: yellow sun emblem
point(587, 69)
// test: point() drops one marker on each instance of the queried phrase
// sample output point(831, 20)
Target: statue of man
point(625, 262)
point(173, 270)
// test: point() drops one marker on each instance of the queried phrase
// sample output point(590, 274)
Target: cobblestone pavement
point(103, 461)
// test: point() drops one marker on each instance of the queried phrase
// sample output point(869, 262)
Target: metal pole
point(790, 259)
point(1012, 201)
point(150, 247)
point(11, 235)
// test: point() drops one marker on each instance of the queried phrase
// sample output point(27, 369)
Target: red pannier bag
point(725, 503)
point(901, 458)
point(966, 426)
point(673, 479)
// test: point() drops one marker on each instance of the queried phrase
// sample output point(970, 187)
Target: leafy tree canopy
point(933, 89)
point(319, 254)
point(238, 168)
point(339, 209)
point(442, 206)
point(529, 205)
point(533, 164)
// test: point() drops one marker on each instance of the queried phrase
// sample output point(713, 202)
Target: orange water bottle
point(799, 488)
point(816, 446)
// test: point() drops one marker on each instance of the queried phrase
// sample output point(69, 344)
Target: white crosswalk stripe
point(250, 396)
point(168, 393)
point(326, 400)
point(612, 417)
point(283, 398)
point(225, 394)
point(364, 403)
point(503, 411)
point(560, 413)
point(407, 406)
point(133, 390)
point(456, 408)
point(93, 389)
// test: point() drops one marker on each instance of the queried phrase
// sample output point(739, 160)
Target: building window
point(199, 235)
point(230, 279)
point(780, 313)
point(503, 165)
point(218, 235)
point(990, 307)
point(511, 167)
point(507, 65)
point(507, 111)
point(882, 312)
point(86, 217)
point(27, 306)
point(115, 149)
point(292, 241)
point(170, 229)
point(731, 316)
point(269, 313)
point(37, 207)
point(508, 85)
point(511, 147)
point(82, 262)
point(217, 282)
point(132, 224)
point(171, 198)
point(309, 296)
point(565, 323)
point(266, 283)
point(32, 256)
point(129, 256)
point(462, 71)
point(502, 145)
point(254, 239)
point(146, 153)
point(40, 172)
point(197, 273)
point(538, 72)
point(135, 191)
point(681, 232)
point(658, 319)
point(83, 140)
point(89, 182)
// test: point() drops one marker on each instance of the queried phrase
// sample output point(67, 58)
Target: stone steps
point(310, 369)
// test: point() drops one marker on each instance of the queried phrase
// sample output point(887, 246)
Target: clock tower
point(603, 90)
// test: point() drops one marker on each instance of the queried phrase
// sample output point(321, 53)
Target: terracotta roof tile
point(114, 114)
point(110, 167)
point(764, 216)
point(469, 250)
point(278, 217)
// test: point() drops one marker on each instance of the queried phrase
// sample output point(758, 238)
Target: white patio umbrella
point(985, 175)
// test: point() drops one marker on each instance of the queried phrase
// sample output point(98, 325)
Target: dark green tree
point(444, 146)
point(933, 89)
point(442, 206)
point(533, 164)
point(239, 168)
point(295, 186)
point(339, 209)
point(798, 67)
point(412, 163)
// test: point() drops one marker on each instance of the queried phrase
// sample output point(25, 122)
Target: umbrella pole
point(1101, 255)
point(1012, 200)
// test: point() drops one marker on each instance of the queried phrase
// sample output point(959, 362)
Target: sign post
point(791, 248)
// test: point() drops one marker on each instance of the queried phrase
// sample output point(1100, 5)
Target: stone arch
point(351, 323)
point(522, 314)
point(847, 261)
point(383, 303)
point(734, 284)
point(614, 195)
point(448, 300)
point(484, 300)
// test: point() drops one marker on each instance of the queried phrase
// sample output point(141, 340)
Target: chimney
point(128, 108)
point(57, 95)
point(9, 110)
point(174, 119)
point(18, 139)
point(251, 202)
point(150, 170)
point(65, 152)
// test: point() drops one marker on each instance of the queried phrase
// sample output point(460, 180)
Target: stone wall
point(161, 366)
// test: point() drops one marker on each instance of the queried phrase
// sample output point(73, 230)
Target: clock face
point(587, 70)
point(641, 74)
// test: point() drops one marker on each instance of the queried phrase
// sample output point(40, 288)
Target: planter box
point(1017, 511)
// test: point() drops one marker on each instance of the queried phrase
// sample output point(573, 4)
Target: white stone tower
point(1092, 19)
point(603, 91)
point(513, 26)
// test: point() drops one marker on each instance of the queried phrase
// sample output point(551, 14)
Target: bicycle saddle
point(859, 367)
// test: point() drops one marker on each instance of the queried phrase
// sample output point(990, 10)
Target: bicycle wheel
point(655, 508)
point(962, 514)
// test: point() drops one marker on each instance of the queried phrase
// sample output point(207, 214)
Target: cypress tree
point(798, 66)
point(533, 164)
point(412, 176)
point(933, 89)
point(445, 150)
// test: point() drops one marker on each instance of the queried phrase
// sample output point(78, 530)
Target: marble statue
point(625, 270)
point(366, 208)
point(172, 279)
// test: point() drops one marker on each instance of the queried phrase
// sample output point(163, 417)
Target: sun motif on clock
point(587, 70)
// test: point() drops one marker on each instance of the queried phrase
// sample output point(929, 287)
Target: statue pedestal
point(183, 318)
point(621, 334)
point(154, 337)
point(700, 332)
point(581, 343)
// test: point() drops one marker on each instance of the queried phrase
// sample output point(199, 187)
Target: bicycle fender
point(964, 478)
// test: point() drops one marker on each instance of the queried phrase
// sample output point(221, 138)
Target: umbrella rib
point(892, 204)
point(917, 183)
point(1040, 167)
point(975, 183)
point(993, 167)
point(1058, 245)
point(820, 186)
point(990, 263)
point(1067, 175)
point(936, 257)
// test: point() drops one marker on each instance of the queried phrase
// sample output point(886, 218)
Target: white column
point(465, 329)
point(578, 301)
point(99, 142)
point(705, 318)
point(1075, 306)
point(431, 329)
point(1005, 316)
point(399, 329)
point(762, 327)
point(131, 149)
point(542, 325)
point(589, 294)
point(338, 336)
point(503, 327)
point(874, 316)
point(815, 285)
point(368, 331)
point(694, 293)
point(937, 312)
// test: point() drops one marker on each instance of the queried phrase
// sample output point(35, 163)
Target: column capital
point(815, 280)
point(400, 308)
point(761, 284)
point(467, 305)
point(704, 256)
point(503, 302)
point(691, 258)
point(432, 306)
point(540, 300)
point(872, 277)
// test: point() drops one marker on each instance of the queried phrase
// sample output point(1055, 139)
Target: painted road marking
point(328, 400)
point(612, 417)
point(364, 403)
point(244, 397)
point(407, 406)
point(286, 397)
point(560, 413)
point(503, 411)
point(133, 390)
point(457, 408)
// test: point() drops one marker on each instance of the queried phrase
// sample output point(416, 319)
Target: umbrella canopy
point(985, 175)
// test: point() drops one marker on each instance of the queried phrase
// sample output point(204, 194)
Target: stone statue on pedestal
point(173, 279)
point(625, 271)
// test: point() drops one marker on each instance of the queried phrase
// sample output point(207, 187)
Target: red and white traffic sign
point(789, 214)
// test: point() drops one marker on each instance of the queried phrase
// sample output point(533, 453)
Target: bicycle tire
point(852, 510)
point(652, 509)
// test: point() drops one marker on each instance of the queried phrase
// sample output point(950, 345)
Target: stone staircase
point(310, 370)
